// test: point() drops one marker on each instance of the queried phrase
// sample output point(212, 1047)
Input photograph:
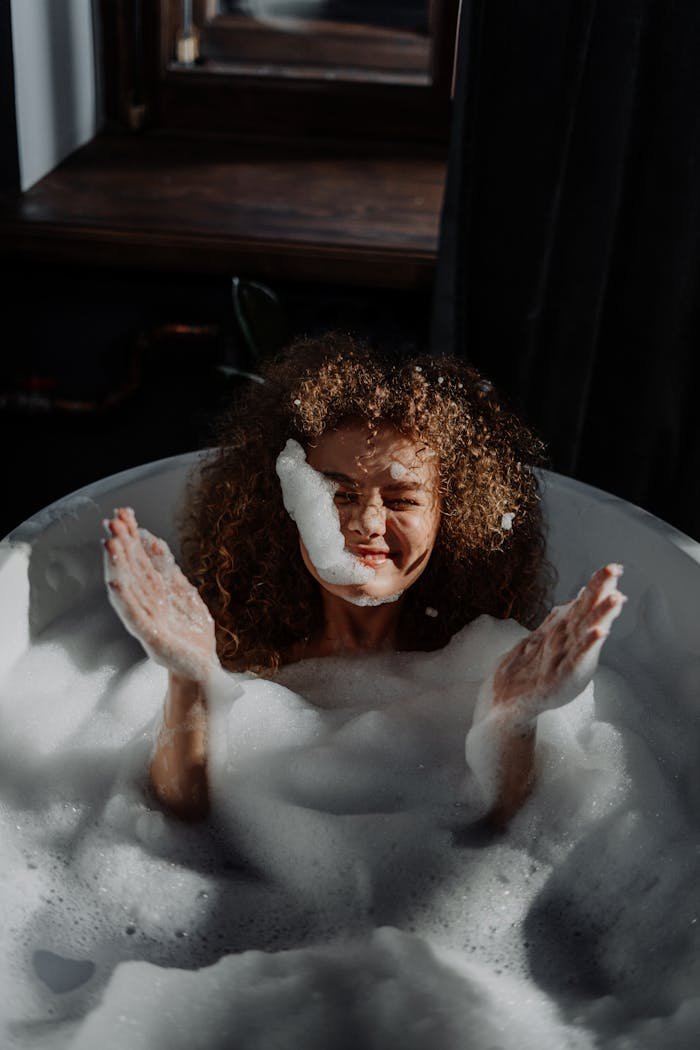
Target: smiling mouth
point(372, 557)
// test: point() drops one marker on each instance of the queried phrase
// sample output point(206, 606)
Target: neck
point(351, 628)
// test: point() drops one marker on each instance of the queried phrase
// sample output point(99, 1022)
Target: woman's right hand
point(156, 602)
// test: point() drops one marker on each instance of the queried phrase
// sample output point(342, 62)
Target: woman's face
point(388, 502)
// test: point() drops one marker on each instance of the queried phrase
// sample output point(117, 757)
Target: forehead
point(350, 450)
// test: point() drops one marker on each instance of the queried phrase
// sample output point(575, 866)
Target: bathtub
point(52, 564)
point(586, 528)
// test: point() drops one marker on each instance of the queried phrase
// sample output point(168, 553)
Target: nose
point(368, 518)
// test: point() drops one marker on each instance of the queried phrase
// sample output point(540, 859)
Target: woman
point(438, 511)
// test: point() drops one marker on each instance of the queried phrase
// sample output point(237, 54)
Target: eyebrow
point(394, 486)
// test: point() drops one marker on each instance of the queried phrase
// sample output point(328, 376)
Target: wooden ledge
point(307, 213)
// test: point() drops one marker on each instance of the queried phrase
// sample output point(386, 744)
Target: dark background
point(568, 271)
point(569, 267)
point(111, 369)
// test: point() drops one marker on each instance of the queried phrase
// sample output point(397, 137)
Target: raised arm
point(545, 670)
point(159, 606)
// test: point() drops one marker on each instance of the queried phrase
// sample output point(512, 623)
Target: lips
point(373, 556)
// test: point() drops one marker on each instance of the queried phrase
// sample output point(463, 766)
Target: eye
point(345, 497)
point(401, 503)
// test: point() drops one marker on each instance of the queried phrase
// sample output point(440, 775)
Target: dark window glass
point(399, 14)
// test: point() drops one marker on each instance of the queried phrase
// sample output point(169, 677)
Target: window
point(336, 69)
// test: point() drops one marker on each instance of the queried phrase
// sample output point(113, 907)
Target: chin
point(375, 592)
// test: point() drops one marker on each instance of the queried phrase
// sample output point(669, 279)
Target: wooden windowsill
point(304, 212)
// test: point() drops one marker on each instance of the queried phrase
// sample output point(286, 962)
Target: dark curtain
point(569, 269)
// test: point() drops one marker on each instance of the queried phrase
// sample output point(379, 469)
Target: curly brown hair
point(241, 548)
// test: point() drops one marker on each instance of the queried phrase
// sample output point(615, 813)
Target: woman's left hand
point(557, 660)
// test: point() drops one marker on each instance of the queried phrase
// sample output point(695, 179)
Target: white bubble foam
point(308, 499)
point(343, 888)
point(368, 601)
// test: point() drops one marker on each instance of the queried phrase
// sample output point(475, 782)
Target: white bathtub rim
point(98, 490)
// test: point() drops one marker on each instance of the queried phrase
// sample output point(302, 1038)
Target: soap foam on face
point(342, 886)
point(308, 499)
point(367, 601)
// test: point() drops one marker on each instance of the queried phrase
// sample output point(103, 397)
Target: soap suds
point(367, 601)
point(397, 470)
point(308, 499)
point(344, 884)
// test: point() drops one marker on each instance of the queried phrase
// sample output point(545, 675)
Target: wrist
point(184, 695)
point(516, 716)
point(183, 683)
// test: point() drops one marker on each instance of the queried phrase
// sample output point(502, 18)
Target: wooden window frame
point(336, 84)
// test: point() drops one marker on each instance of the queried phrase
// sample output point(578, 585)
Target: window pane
point(394, 14)
point(370, 41)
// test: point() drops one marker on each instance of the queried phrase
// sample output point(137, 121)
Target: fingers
point(153, 546)
point(123, 523)
point(556, 661)
point(147, 578)
point(586, 645)
point(126, 561)
point(121, 530)
point(136, 551)
point(599, 602)
point(596, 607)
point(605, 611)
point(589, 625)
point(159, 554)
point(130, 592)
point(135, 589)
point(584, 659)
point(607, 606)
point(132, 611)
point(601, 584)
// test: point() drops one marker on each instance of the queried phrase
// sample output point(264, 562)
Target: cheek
point(432, 527)
point(420, 531)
